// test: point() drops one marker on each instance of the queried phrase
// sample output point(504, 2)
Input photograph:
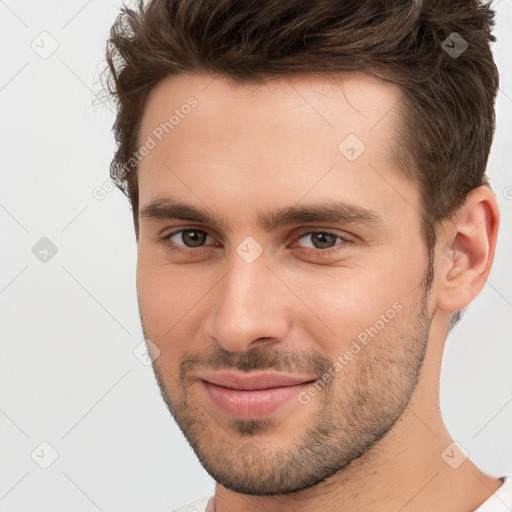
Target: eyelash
point(166, 240)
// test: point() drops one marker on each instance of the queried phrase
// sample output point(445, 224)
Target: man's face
point(298, 295)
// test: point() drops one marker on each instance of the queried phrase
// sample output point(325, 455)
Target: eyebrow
point(327, 212)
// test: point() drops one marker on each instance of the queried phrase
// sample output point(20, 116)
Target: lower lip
point(251, 404)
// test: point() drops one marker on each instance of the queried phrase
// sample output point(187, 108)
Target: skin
point(372, 439)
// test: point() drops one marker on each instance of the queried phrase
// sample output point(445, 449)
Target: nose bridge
point(245, 305)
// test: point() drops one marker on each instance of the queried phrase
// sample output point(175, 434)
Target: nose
point(251, 307)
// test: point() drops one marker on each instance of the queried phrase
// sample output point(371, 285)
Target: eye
point(190, 238)
point(324, 242)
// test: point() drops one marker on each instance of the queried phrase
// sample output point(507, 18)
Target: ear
point(465, 251)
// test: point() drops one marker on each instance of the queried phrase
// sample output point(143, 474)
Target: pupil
point(193, 239)
point(321, 237)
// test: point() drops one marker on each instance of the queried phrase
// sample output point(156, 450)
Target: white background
point(69, 326)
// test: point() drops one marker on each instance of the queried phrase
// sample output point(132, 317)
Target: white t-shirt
point(500, 501)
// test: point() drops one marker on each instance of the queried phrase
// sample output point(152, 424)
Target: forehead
point(337, 100)
point(274, 141)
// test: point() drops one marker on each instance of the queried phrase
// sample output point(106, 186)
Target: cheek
point(349, 304)
point(162, 297)
point(346, 308)
point(173, 302)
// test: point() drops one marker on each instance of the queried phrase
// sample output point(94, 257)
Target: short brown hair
point(447, 112)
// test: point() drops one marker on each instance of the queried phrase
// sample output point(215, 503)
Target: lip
point(252, 396)
point(254, 381)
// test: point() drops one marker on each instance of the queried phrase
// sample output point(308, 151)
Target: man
point(312, 214)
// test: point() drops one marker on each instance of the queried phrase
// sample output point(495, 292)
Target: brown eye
point(323, 243)
point(188, 237)
point(322, 239)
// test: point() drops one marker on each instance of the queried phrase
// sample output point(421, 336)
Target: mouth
point(252, 396)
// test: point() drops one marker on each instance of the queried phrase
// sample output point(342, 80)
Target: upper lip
point(255, 381)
